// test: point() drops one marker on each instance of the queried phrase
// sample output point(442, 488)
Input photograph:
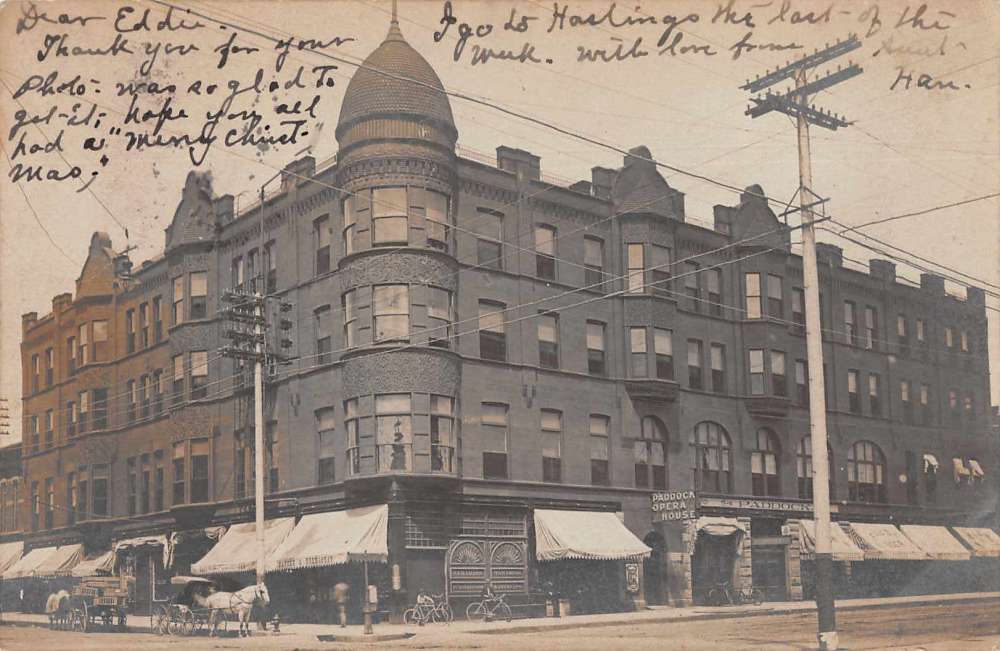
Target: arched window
point(866, 473)
point(804, 468)
point(650, 460)
point(712, 458)
point(765, 477)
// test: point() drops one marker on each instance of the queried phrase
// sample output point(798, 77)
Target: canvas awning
point(236, 551)
point(937, 542)
point(718, 526)
point(27, 564)
point(60, 562)
point(97, 566)
point(930, 463)
point(334, 538)
point(590, 535)
point(984, 542)
point(884, 542)
point(842, 547)
point(130, 544)
point(10, 553)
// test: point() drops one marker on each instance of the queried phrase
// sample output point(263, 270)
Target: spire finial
point(395, 13)
point(394, 33)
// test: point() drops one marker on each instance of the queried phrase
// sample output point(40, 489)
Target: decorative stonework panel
point(413, 267)
point(403, 371)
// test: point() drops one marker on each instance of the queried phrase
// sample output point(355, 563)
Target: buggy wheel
point(76, 621)
point(475, 611)
point(161, 620)
point(182, 623)
point(85, 618)
point(410, 616)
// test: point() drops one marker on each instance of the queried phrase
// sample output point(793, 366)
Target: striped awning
point(10, 553)
point(60, 562)
point(590, 535)
point(236, 551)
point(984, 542)
point(334, 538)
point(842, 547)
point(97, 566)
point(27, 563)
point(937, 542)
point(883, 542)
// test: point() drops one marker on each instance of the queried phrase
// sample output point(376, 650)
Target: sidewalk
point(655, 614)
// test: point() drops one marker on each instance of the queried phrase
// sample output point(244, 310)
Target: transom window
point(712, 458)
point(866, 473)
point(765, 478)
point(650, 459)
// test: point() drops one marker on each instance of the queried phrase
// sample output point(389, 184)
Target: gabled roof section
point(752, 219)
point(195, 219)
point(640, 189)
point(97, 277)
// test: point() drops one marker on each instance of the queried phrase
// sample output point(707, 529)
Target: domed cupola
point(395, 95)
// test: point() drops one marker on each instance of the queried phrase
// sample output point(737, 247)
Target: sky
point(924, 113)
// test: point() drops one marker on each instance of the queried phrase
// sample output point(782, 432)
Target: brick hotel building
point(683, 370)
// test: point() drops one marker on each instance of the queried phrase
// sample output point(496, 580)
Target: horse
point(238, 603)
point(57, 608)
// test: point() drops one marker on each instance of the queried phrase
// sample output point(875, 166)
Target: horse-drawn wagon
point(200, 603)
point(100, 600)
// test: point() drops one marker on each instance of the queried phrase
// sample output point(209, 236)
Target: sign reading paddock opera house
point(670, 506)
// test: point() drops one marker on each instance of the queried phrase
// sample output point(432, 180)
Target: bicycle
point(725, 595)
point(488, 609)
point(425, 613)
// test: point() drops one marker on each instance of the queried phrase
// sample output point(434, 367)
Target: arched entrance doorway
point(653, 570)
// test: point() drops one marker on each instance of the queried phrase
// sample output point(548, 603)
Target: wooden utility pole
point(795, 103)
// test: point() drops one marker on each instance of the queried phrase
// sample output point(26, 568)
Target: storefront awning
point(984, 542)
point(129, 544)
point(937, 542)
point(97, 566)
point(884, 542)
point(236, 551)
point(24, 567)
point(334, 538)
point(10, 553)
point(60, 562)
point(718, 526)
point(842, 546)
point(589, 535)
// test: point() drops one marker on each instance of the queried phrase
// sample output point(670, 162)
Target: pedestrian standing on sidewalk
point(340, 592)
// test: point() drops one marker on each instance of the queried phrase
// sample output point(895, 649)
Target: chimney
point(932, 283)
point(28, 320)
point(723, 219)
point(829, 254)
point(882, 269)
point(581, 186)
point(602, 180)
point(523, 164)
point(975, 296)
point(223, 207)
point(61, 301)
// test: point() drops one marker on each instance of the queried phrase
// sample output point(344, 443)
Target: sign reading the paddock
point(670, 506)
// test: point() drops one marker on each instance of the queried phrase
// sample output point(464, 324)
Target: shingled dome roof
point(394, 80)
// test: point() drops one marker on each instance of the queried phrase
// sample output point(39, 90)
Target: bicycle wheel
point(475, 611)
point(410, 616)
point(714, 597)
point(448, 613)
point(504, 611)
point(438, 615)
point(757, 596)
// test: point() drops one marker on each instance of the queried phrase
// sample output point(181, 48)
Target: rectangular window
point(663, 347)
point(200, 471)
point(949, 337)
point(921, 335)
point(599, 428)
point(799, 309)
point(84, 401)
point(144, 325)
point(548, 341)
point(353, 441)
point(775, 297)
point(874, 393)
point(636, 268)
point(50, 501)
point(178, 305)
point(178, 389)
point(551, 423)
point(130, 396)
point(393, 432)
point(199, 375)
point(439, 315)
point(50, 364)
point(236, 271)
point(33, 432)
point(854, 399)
point(907, 404)
point(270, 268)
point(391, 307)
point(145, 484)
point(83, 348)
point(802, 382)
point(131, 486)
point(71, 503)
point(100, 352)
point(49, 426)
point(157, 321)
point(545, 252)
point(661, 269)
point(326, 472)
point(71, 356)
point(36, 506)
point(442, 434)
point(199, 295)
point(692, 286)
point(695, 353)
point(902, 334)
point(492, 338)
point(324, 339)
point(714, 277)
point(389, 218)
point(35, 371)
point(252, 274)
point(356, 207)
point(350, 319)
point(593, 261)
point(753, 307)
point(489, 244)
point(925, 406)
point(143, 391)
point(963, 338)
point(494, 422)
point(779, 384)
point(72, 418)
point(157, 390)
point(639, 357)
point(850, 331)
point(180, 473)
point(756, 372)
point(101, 487)
point(437, 219)
point(100, 408)
point(871, 328)
point(718, 354)
point(596, 348)
point(321, 242)
point(158, 480)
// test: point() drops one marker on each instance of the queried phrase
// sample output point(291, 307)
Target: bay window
point(393, 432)
point(439, 317)
point(442, 433)
point(389, 216)
point(199, 295)
point(391, 309)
